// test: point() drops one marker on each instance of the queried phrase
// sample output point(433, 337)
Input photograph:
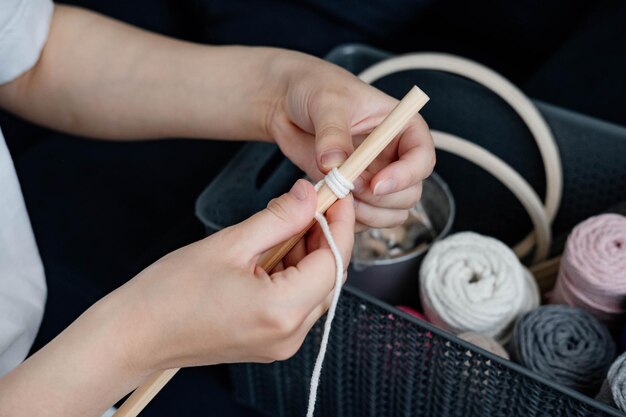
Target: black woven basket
point(383, 362)
point(380, 361)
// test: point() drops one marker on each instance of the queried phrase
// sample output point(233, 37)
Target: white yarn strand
point(341, 187)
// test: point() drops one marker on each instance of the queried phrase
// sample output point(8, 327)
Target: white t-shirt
point(24, 28)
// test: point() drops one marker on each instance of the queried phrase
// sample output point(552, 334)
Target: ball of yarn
point(485, 342)
point(592, 275)
point(605, 395)
point(567, 345)
point(470, 282)
point(614, 387)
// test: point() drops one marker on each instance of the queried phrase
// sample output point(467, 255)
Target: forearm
point(82, 372)
point(101, 78)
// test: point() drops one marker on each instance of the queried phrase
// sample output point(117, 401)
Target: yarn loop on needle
point(337, 183)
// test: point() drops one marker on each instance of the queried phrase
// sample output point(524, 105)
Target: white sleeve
point(24, 26)
point(22, 280)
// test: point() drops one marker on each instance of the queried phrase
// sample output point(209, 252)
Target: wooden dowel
point(360, 159)
point(145, 393)
point(354, 166)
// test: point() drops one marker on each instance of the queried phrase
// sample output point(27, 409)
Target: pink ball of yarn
point(412, 312)
point(592, 275)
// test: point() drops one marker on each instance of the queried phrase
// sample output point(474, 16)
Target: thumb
point(333, 141)
point(284, 217)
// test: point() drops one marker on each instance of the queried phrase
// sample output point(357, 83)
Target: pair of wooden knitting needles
point(354, 166)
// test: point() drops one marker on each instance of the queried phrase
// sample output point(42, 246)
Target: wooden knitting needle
point(354, 166)
point(360, 159)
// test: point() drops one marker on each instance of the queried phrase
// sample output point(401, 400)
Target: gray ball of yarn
point(613, 390)
point(565, 344)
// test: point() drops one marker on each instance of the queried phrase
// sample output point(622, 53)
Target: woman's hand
point(210, 303)
point(321, 113)
point(205, 303)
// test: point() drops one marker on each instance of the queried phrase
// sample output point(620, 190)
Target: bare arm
point(102, 78)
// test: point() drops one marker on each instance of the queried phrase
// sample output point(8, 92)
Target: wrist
point(271, 90)
point(82, 372)
point(120, 334)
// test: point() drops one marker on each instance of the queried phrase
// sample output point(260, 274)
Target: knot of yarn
point(592, 275)
point(341, 187)
point(567, 345)
point(470, 282)
point(337, 183)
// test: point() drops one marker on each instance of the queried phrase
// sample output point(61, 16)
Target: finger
point(296, 253)
point(284, 217)
point(341, 217)
point(416, 162)
point(308, 283)
point(314, 238)
point(317, 312)
point(300, 148)
point(403, 199)
point(280, 266)
point(379, 217)
point(332, 122)
point(313, 278)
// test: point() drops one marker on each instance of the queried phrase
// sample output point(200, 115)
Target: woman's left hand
point(325, 111)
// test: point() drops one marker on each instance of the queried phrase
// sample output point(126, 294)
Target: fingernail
point(299, 190)
point(385, 187)
point(331, 159)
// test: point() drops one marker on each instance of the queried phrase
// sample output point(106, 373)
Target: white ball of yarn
point(470, 282)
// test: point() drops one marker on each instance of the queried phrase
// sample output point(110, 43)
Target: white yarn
point(470, 282)
point(341, 187)
point(337, 183)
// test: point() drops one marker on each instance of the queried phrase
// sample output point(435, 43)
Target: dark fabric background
point(102, 211)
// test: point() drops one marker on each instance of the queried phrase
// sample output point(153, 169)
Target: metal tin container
point(395, 280)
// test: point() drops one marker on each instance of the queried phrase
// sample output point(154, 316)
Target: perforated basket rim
point(471, 347)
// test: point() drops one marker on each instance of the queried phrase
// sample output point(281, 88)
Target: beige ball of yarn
point(485, 342)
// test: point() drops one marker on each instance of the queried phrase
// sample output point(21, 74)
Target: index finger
point(341, 220)
point(416, 160)
point(313, 278)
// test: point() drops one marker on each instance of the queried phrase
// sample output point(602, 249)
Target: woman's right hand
point(210, 303)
